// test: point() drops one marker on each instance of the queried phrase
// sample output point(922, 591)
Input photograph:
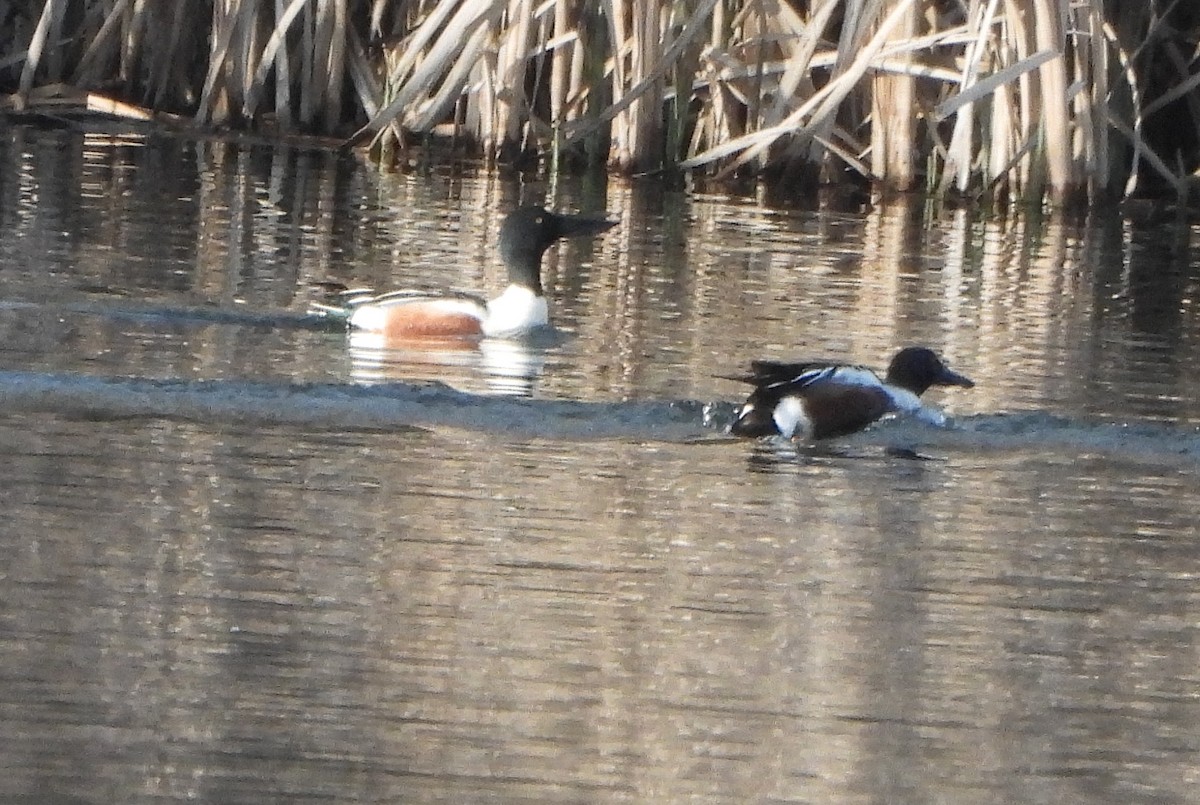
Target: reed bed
point(1032, 100)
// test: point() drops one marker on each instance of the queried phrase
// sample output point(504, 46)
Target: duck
point(815, 400)
point(408, 315)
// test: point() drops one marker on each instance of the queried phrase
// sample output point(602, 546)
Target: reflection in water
point(836, 630)
point(505, 366)
point(251, 560)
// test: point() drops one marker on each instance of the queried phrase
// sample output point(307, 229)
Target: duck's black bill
point(949, 378)
point(578, 226)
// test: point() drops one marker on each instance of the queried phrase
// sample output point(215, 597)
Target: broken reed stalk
point(1055, 109)
point(1008, 98)
point(894, 116)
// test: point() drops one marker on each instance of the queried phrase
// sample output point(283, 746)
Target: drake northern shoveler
point(819, 400)
point(411, 315)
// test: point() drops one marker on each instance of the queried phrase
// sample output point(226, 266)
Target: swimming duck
point(819, 400)
point(525, 236)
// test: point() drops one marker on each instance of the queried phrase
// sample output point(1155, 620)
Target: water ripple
point(436, 405)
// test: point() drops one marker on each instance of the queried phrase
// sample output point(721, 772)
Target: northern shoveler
point(411, 315)
point(819, 400)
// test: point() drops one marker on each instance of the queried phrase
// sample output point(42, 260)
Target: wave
point(431, 405)
point(327, 405)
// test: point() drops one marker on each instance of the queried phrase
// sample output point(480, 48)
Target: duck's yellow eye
point(538, 220)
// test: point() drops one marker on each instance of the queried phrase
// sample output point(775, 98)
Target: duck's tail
point(339, 301)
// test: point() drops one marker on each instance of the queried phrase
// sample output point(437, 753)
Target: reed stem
point(1007, 98)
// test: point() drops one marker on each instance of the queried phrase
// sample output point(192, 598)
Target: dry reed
point(1004, 98)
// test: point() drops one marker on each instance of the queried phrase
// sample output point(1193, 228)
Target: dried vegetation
point(1011, 99)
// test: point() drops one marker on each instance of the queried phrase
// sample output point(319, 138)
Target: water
point(247, 560)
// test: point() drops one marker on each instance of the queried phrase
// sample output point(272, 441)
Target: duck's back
point(812, 400)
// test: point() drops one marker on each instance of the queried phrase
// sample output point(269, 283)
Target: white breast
point(906, 403)
point(903, 400)
point(515, 311)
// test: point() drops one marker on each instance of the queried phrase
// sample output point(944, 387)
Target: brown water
point(249, 561)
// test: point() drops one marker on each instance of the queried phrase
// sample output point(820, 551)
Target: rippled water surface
point(250, 559)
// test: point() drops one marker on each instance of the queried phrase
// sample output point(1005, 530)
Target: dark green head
point(918, 368)
point(528, 231)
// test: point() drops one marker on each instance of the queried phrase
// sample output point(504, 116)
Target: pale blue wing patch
point(858, 376)
point(855, 376)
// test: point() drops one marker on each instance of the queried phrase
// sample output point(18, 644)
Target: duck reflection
point(496, 366)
